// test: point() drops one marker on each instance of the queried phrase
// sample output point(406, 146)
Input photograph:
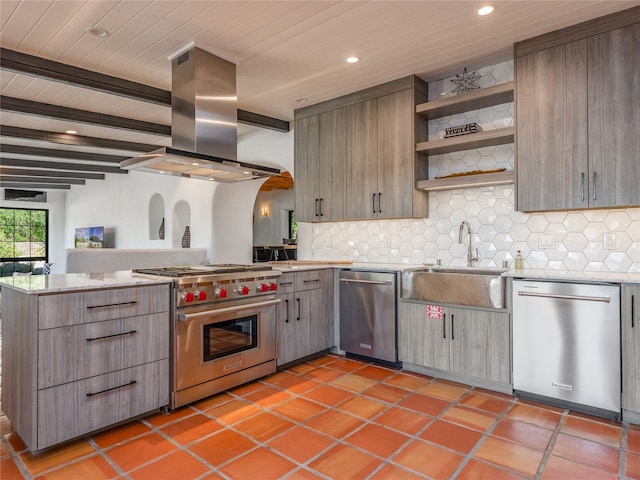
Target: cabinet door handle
point(582, 186)
point(111, 336)
point(311, 281)
point(444, 325)
point(379, 202)
point(286, 303)
point(373, 203)
point(633, 311)
point(132, 382)
point(594, 185)
point(316, 210)
point(322, 207)
point(108, 305)
point(452, 331)
point(298, 317)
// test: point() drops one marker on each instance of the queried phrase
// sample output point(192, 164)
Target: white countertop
point(610, 277)
point(56, 283)
point(562, 275)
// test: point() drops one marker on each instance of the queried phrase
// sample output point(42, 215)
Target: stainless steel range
point(223, 327)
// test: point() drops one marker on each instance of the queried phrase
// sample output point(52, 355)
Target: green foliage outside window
point(23, 234)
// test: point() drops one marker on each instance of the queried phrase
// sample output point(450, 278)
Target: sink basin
point(472, 286)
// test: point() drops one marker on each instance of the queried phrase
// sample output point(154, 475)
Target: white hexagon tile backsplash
point(558, 240)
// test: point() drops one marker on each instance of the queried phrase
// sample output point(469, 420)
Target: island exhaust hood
point(204, 124)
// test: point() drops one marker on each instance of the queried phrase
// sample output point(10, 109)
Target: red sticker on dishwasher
point(434, 311)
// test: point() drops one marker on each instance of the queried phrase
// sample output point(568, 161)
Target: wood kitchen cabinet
point(305, 316)
point(380, 157)
point(462, 341)
point(79, 361)
point(630, 335)
point(360, 148)
point(577, 116)
point(320, 146)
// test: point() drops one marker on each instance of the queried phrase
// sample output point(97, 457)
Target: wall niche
point(156, 217)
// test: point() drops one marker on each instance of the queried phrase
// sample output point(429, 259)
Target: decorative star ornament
point(465, 82)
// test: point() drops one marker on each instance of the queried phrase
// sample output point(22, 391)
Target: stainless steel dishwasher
point(566, 345)
point(368, 317)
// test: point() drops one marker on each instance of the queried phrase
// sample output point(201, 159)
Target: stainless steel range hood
point(204, 124)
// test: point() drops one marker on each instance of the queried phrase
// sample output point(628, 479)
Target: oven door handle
point(185, 317)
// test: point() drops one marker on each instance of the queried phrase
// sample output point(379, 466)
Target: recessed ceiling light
point(301, 100)
point(98, 32)
point(352, 60)
point(485, 10)
point(71, 132)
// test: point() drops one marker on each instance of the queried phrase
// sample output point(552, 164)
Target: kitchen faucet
point(470, 257)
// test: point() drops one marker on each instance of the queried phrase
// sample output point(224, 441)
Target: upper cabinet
point(577, 116)
point(355, 155)
point(320, 166)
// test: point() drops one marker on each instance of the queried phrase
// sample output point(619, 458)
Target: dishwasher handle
point(369, 282)
point(522, 293)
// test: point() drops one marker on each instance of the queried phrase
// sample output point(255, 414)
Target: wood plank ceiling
point(284, 51)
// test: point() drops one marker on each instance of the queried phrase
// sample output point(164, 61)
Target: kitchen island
point(82, 352)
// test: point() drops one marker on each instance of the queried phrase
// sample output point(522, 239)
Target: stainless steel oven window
point(221, 339)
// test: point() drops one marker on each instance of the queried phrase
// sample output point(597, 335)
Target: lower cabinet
point(463, 341)
point(305, 316)
point(631, 349)
point(76, 362)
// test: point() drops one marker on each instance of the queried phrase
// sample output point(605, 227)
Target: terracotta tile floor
point(338, 418)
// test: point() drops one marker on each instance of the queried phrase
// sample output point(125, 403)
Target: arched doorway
point(274, 227)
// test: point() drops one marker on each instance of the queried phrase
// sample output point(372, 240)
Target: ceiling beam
point(32, 172)
point(30, 107)
point(28, 180)
point(35, 185)
point(74, 167)
point(57, 153)
point(262, 121)
point(73, 139)
point(62, 72)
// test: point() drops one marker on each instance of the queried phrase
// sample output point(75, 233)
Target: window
point(23, 239)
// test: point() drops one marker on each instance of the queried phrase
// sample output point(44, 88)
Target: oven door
point(214, 341)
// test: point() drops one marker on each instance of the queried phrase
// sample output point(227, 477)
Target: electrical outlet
point(609, 241)
point(545, 241)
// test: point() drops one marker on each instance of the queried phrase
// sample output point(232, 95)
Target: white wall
point(220, 214)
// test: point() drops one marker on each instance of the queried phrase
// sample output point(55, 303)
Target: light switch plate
point(609, 241)
point(545, 241)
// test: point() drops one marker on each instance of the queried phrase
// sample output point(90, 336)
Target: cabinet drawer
point(75, 352)
point(311, 279)
point(77, 408)
point(286, 283)
point(98, 305)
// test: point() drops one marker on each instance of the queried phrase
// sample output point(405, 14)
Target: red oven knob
point(263, 287)
point(188, 297)
point(243, 290)
point(201, 295)
point(273, 286)
point(221, 292)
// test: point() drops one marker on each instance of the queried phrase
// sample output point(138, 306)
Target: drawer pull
point(282, 284)
point(111, 336)
point(89, 307)
point(132, 382)
point(311, 281)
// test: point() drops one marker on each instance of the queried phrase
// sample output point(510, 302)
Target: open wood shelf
point(499, 136)
point(467, 181)
point(473, 100)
